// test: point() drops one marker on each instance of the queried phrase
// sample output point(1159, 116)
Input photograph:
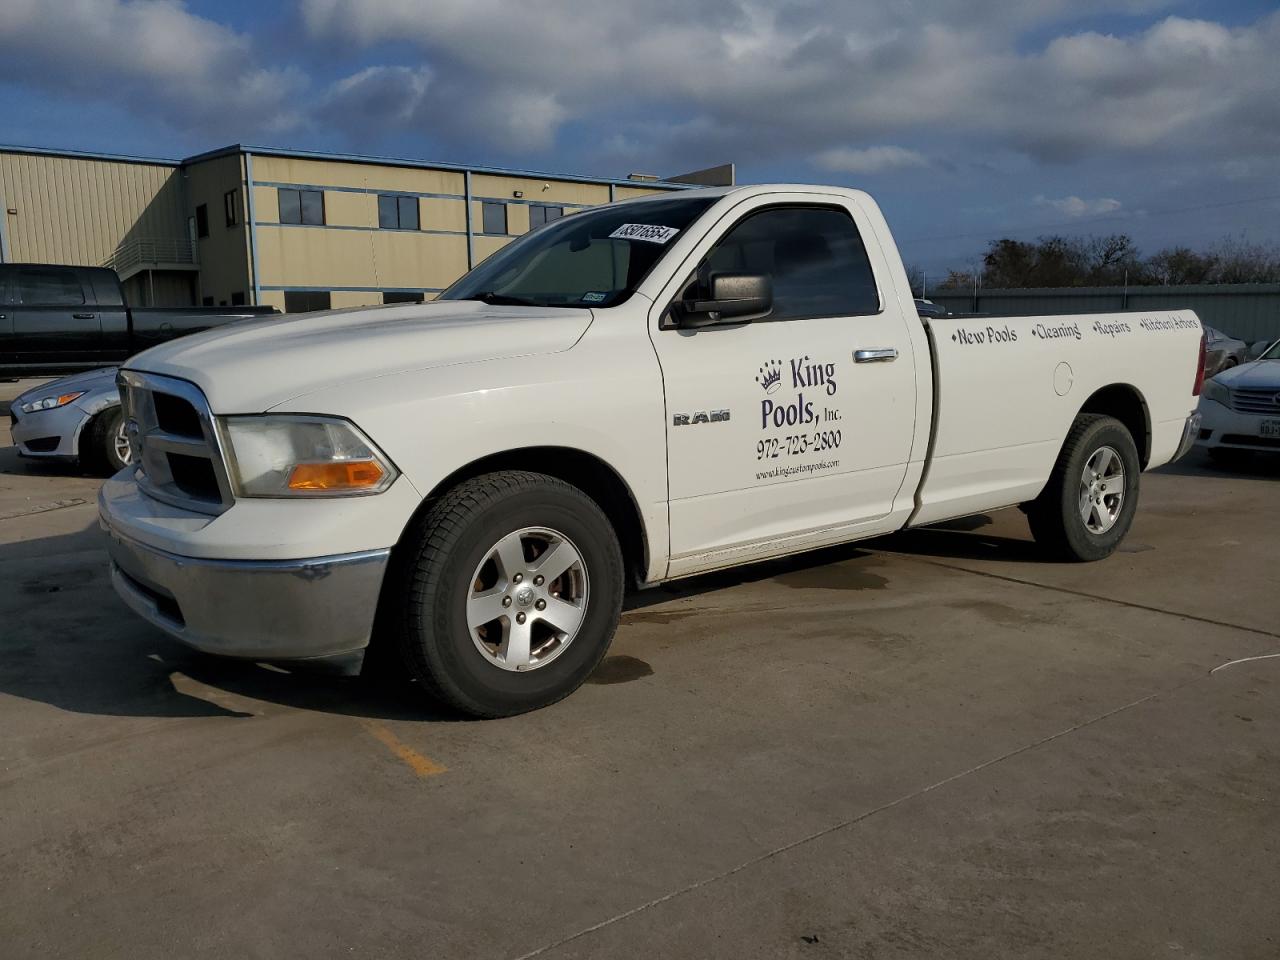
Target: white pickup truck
point(636, 393)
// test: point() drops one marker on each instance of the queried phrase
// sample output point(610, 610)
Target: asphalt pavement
point(929, 745)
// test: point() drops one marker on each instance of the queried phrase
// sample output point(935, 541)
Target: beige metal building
point(294, 229)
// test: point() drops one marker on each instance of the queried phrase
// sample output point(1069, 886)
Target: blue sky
point(967, 119)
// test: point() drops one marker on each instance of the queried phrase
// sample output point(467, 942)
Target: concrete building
point(295, 229)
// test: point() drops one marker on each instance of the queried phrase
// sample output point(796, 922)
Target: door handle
point(881, 355)
point(83, 316)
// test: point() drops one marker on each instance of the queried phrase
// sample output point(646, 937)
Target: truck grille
point(175, 442)
point(1256, 401)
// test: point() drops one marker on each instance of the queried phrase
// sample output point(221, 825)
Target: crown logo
point(770, 376)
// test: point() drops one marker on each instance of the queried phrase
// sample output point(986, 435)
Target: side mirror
point(734, 297)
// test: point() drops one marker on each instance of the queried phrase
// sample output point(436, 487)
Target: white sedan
point(1240, 407)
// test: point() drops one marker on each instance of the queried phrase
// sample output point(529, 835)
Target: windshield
point(1272, 353)
point(595, 258)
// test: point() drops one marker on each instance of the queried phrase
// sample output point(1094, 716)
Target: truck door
point(785, 431)
point(114, 319)
point(54, 320)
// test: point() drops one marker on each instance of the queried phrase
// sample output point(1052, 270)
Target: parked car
point(1257, 349)
point(1222, 352)
point(74, 418)
point(1240, 408)
point(57, 319)
point(648, 390)
point(927, 308)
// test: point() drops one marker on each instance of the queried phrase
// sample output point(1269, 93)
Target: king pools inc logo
point(770, 376)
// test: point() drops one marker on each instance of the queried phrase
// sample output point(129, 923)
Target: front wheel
point(104, 446)
point(511, 591)
point(1088, 505)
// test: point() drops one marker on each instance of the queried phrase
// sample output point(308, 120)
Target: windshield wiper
point(501, 300)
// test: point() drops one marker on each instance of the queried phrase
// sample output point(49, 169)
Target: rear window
point(49, 286)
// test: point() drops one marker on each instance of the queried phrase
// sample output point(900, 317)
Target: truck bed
point(988, 452)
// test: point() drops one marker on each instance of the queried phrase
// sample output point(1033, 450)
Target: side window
point(51, 287)
point(815, 256)
point(396, 212)
point(540, 214)
point(301, 206)
point(202, 220)
point(493, 218)
point(305, 301)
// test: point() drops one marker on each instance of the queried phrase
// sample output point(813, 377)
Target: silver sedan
point(75, 418)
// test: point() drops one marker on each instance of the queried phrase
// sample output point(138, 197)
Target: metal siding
point(79, 210)
point(224, 254)
point(1248, 311)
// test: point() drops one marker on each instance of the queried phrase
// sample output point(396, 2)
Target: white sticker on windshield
point(651, 232)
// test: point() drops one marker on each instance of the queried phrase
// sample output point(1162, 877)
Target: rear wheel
point(511, 592)
point(104, 445)
point(1088, 505)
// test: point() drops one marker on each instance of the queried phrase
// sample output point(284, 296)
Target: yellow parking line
point(421, 765)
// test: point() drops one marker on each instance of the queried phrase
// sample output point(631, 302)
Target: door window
point(49, 287)
point(815, 256)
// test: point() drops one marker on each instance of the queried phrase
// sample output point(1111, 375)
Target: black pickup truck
point(59, 319)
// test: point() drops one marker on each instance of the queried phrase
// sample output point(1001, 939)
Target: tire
point(1057, 517)
point(101, 450)
point(480, 546)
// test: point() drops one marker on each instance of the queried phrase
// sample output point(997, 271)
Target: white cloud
point(857, 87)
point(769, 79)
point(377, 99)
point(869, 159)
point(1077, 207)
point(152, 54)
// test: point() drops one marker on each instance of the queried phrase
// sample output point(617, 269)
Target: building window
point(202, 220)
point(539, 214)
point(403, 296)
point(229, 206)
point(304, 301)
point(397, 213)
point(237, 298)
point(302, 206)
point(206, 301)
point(494, 218)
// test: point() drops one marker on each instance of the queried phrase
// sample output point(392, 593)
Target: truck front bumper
point(263, 609)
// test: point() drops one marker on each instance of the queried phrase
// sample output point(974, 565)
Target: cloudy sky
point(968, 119)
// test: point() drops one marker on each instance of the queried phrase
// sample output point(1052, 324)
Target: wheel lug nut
point(538, 580)
point(520, 618)
point(506, 601)
point(517, 578)
point(541, 604)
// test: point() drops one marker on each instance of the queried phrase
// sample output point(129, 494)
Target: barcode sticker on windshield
point(651, 232)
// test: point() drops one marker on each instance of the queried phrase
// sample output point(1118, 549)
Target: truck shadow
point(69, 642)
point(1247, 466)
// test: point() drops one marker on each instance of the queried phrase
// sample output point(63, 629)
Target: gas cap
point(1063, 378)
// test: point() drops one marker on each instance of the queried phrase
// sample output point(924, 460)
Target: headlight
point(50, 403)
point(1213, 390)
point(300, 456)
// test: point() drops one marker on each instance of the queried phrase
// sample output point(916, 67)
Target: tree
point(915, 277)
point(957, 280)
point(1110, 261)
point(1178, 265)
point(1239, 261)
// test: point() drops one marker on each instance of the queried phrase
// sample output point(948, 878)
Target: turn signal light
point(340, 475)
